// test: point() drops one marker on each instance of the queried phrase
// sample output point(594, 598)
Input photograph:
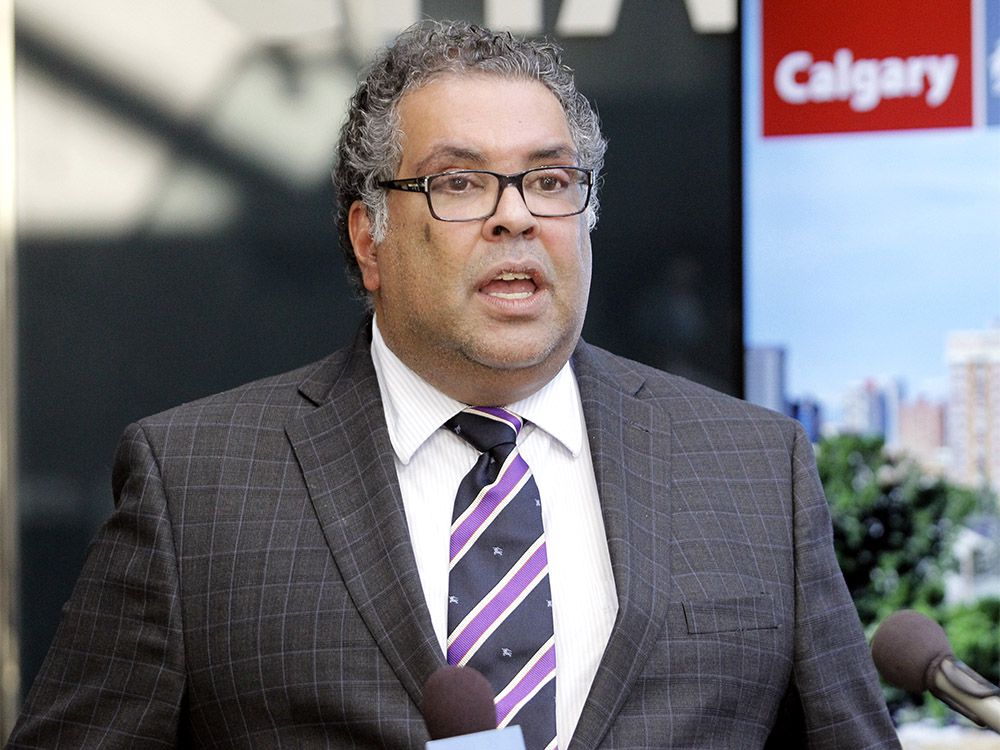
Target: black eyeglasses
point(471, 194)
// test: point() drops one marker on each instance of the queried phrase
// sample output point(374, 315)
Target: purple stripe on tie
point(503, 414)
point(495, 608)
point(492, 498)
point(538, 674)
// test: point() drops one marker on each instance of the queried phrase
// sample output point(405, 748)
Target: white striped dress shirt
point(430, 463)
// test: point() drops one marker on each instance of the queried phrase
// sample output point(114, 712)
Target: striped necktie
point(499, 604)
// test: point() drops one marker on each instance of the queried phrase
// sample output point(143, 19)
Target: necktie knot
point(486, 427)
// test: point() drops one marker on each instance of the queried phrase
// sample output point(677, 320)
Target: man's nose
point(512, 215)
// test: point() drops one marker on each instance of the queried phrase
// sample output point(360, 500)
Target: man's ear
point(365, 251)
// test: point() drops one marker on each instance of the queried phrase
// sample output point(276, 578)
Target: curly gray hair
point(370, 146)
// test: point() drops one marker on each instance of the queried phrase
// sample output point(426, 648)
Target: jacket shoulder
point(684, 399)
point(247, 421)
point(276, 393)
point(284, 394)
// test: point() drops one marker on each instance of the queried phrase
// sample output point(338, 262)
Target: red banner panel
point(836, 66)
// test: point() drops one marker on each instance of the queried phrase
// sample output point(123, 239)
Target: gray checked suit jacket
point(256, 587)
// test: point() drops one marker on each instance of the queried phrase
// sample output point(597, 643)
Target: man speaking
point(630, 559)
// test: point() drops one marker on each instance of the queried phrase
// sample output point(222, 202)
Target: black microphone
point(460, 713)
point(912, 652)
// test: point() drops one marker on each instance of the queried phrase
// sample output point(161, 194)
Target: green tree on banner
point(893, 529)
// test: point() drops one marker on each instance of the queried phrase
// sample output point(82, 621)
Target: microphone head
point(457, 701)
point(906, 646)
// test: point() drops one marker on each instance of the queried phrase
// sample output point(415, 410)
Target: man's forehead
point(472, 119)
point(448, 153)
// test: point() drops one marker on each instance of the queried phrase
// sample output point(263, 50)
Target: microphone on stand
point(912, 652)
point(460, 713)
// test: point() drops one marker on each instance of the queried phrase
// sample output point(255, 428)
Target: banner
point(890, 65)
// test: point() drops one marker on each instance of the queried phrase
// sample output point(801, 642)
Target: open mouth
point(510, 285)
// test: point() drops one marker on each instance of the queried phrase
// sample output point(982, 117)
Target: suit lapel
point(630, 445)
point(344, 451)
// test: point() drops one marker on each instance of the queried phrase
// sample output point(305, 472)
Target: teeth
point(516, 295)
point(512, 276)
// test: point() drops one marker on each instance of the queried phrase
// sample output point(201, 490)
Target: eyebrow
point(556, 152)
point(450, 153)
point(478, 160)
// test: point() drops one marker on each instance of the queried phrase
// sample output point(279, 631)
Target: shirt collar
point(414, 408)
